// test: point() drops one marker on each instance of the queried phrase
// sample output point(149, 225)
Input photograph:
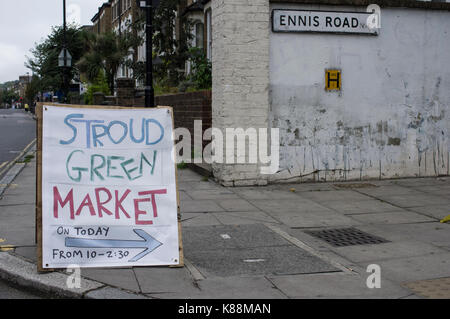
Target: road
point(9, 292)
point(17, 130)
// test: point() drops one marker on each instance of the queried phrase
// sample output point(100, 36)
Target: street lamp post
point(149, 90)
point(65, 51)
point(64, 58)
point(148, 5)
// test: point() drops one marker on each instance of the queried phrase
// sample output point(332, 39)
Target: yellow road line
point(3, 164)
point(9, 164)
point(7, 248)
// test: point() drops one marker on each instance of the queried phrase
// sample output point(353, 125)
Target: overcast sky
point(25, 22)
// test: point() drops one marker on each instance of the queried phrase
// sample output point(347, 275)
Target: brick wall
point(187, 108)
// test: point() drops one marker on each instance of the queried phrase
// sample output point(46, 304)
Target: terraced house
point(117, 16)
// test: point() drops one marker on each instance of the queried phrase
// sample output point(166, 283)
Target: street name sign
point(322, 21)
point(107, 190)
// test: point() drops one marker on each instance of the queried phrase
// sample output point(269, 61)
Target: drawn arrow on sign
point(149, 243)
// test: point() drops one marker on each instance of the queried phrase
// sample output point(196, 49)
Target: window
point(208, 35)
point(199, 35)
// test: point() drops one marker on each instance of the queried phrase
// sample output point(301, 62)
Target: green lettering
point(143, 158)
point(94, 170)
point(79, 169)
point(110, 167)
point(129, 171)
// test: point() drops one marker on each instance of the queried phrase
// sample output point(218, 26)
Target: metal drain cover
point(346, 237)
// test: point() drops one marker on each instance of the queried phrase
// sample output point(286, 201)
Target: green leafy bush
point(201, 74)
point(100, 85)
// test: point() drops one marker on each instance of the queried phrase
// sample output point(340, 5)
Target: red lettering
point(153, 194)
point(58, 200)
point(86, 202)
point(100, 205)
point(119, 203)
point(103, 196)
point(138, 212)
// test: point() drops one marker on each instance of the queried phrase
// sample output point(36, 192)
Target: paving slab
point(186, 175)
point(123, 278)
point(242, 218)
point(20, 190)
point(294, 205)
point(236, 205)
point(17, 200)
point(361, 207)
point(335, 285)
point(266, 193)
point(199, 219)
point(436, 211)
point(14, 214)
point(403, 217)
point(403, 270)
point(184, 196)
point(229, 288)
point(303, 187)
point(389, 190)
point(165, 280)
point(314, 219)
point(200, 206)
point(377, 252)
point(436, 234)
point(240, 288)
point(337, 195)
point(183, 185)
point(443, 189)
point(411, 200)
point(211, 194)
point(112, 293)
point(419, 181)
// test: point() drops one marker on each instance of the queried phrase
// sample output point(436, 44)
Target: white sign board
point(322, 21)
point(109, 196)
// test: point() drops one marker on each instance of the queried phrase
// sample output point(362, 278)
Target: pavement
point(261, 242)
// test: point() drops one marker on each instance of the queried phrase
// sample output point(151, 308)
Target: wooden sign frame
point(39, 134)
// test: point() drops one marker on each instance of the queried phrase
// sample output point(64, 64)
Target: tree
point(44, 60)
point(105, 53)
point(33, 88)
point(173, 51)
point(8, 96)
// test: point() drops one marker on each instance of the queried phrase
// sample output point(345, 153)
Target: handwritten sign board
point(321, 21)
point(108, 191)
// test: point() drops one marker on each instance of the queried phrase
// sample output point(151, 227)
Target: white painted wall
point(392, 118)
